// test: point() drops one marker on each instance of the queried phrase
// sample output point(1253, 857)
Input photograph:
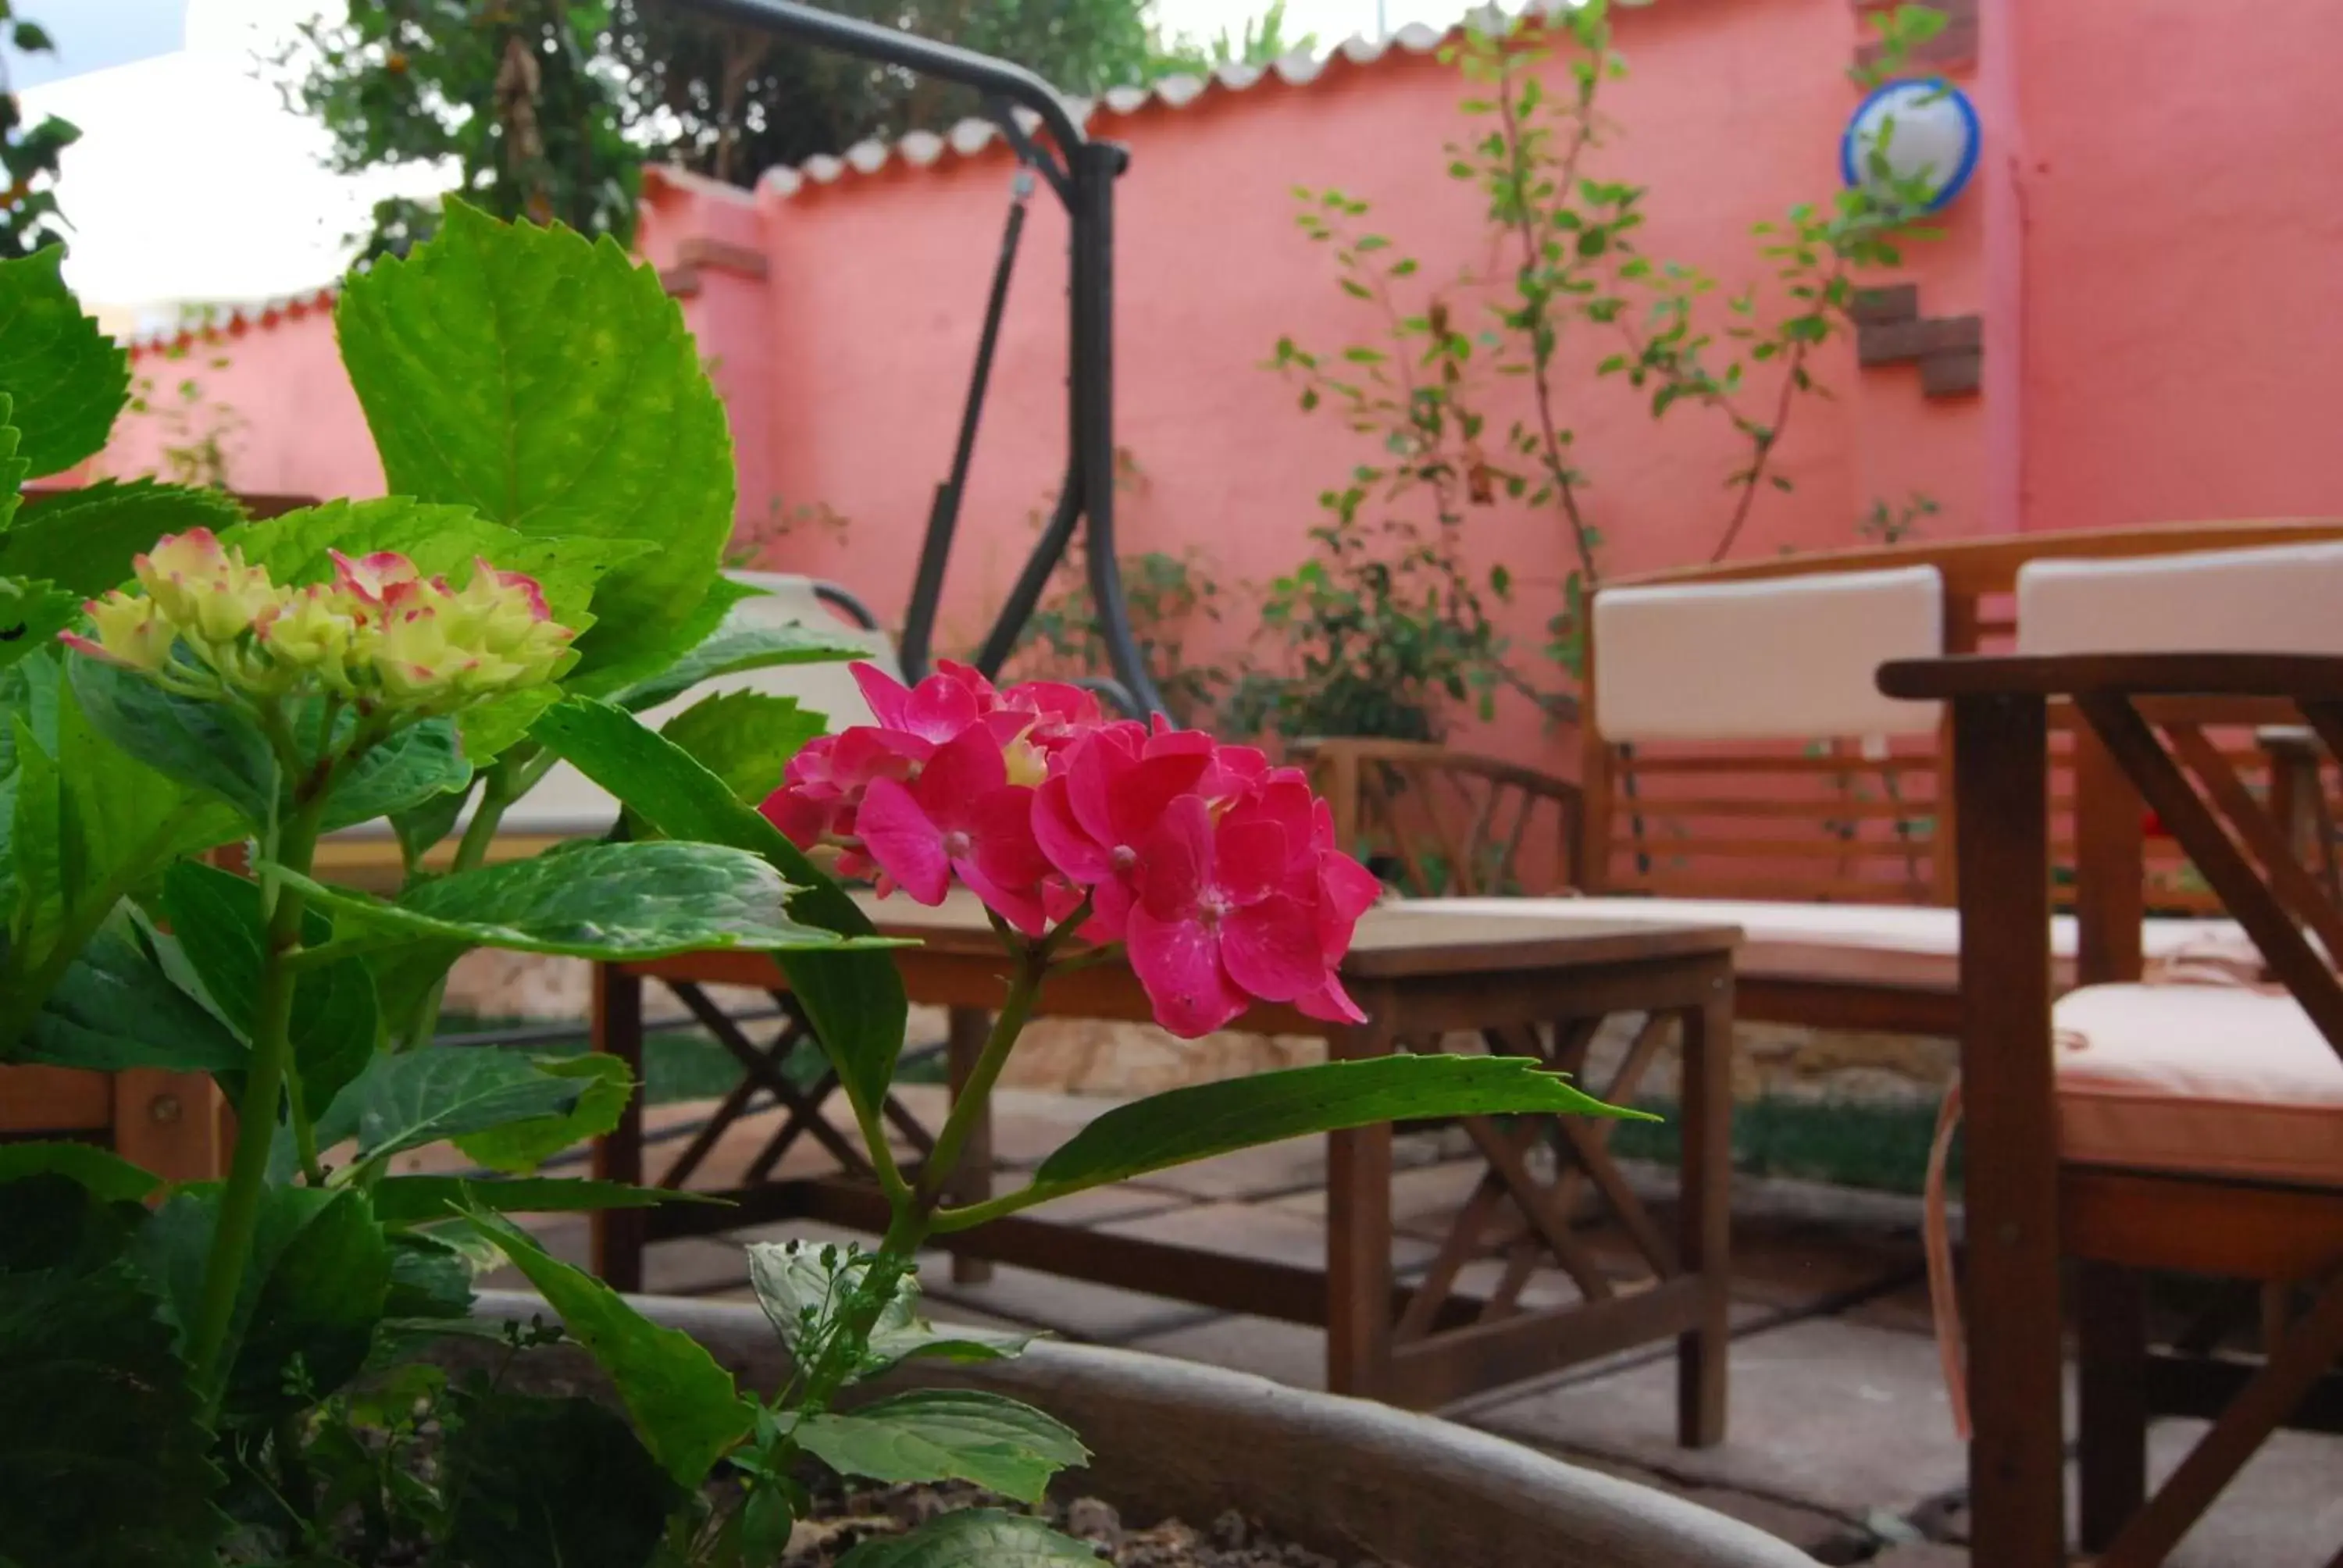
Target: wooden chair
point(2181, 1127)
point(1443, 822)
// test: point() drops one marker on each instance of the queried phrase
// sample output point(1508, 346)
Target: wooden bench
point(1747, 781)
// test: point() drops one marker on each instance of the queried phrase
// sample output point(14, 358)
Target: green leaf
point(683, 1405)
point(1208, 1119)
point(64, 376)
point(946, 1434)
point(736, 649)
point(312, 1294)
point(855, 999)
point(799, 1283)
point(417, 1200)
point(105, 1176)
point(83, 540)
point(114, 1008)
point(744, 738)
point(406, 1098)
point(216, 917)
point(551, 384)
point(405, 773)
point(974, 1538)
point(207, 745)
point(554, 1483)
point(105, 1462)
point(520, 1147)
point(616, 901)
point(31, 613)
point(428, 1278)
point(419, 828)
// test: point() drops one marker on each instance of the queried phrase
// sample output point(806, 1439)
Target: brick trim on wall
point(1890, 330)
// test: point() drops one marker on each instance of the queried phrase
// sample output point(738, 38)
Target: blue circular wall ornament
point(1936, 137)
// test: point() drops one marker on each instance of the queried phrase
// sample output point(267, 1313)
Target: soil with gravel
point(841, 1521)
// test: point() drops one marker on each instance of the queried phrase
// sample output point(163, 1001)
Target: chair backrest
point(2276, 598)
point(1747, 749)
point(566, 803)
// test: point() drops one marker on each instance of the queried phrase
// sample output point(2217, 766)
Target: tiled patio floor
point(1840, 1440)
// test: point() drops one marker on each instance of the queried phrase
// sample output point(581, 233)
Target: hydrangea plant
point(232, 1371)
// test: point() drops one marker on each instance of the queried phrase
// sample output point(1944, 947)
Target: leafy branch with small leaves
point(1467, 389)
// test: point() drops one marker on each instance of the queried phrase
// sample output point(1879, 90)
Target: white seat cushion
point(2274, 599)
point(1923, 931)
point(2218, 1080)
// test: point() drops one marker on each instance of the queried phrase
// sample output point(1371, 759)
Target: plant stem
point(257, 1115)
point(497, 794)
point(969, 1104)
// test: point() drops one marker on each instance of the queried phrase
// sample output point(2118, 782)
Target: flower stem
point(495, 795)
point(257, 1115)
point(968, 1105)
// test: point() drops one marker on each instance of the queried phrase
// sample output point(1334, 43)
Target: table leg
point(972, 1182)
point(1704, 1210)
point(618, 1234)
point(1359, 1237)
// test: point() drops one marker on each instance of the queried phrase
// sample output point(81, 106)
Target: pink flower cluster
point(1217, 873)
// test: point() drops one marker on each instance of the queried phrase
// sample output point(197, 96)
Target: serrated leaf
point(84, 540)
point(616, 901)
point(205, 745)
point(114, 1009)
point(64, 379)
point(734, 651)
point(519, 1147)
point(417, 1199)
point(554, 1483)
point(1208, 1119)
point(428, 1278)
point(319, 1273)
point(854, 999)
point(31, 613)
point(419, 828)
point(973, 1538)
point(946, 1434)
point(744, 738)
point(551, 384)
point(801, 1284)
point(105, 1176)
point(683, 1405)
point(107, 1463)
point(216, 917)
point(404, 773)
point(406, 1098)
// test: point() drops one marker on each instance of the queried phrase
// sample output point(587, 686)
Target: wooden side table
point(1532, 985)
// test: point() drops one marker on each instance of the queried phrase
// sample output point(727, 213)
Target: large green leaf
point(519, 1147)
point(550, 383)
point(854, 998)
point(946, 1434)
point(65, 379)
point(554, 1483)
point(428, 1278)
point(734, 649)
point(14, 467)
point(419, 1200)
point(744, 738)
point(207, 745)
point(1208, 1119)
point(799, 1284)
point(683, 1405)
point(114, 1008)
point(108, 1177)
point(83, 540)
point(406, 1098)
point(598, 901)
point(419, 763)
point(31, 613)
point(216, 917)
point(104, 1459)
point(314, 1289)
point(974, 1538)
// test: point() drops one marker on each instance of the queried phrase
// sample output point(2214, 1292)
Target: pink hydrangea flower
point(1219, 873)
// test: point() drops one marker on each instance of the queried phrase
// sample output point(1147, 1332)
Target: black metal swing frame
point(1082, 173)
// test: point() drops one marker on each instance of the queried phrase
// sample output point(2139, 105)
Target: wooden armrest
point(2309, 677)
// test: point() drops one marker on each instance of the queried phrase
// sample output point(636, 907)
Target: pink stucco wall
point(2172, 230)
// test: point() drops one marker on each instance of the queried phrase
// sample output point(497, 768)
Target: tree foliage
point(547, 109)
point(29, 217)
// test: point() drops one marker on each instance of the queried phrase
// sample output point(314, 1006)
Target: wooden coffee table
point(1423, 975)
